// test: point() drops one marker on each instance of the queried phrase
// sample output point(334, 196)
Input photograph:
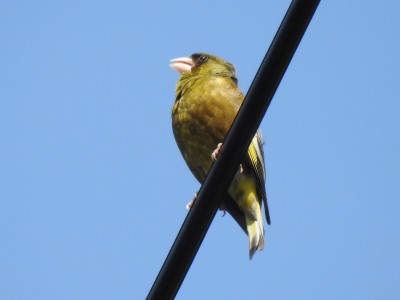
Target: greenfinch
point(207, 100)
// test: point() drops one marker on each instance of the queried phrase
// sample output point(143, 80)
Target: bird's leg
point(215, 154)
point(191, 202)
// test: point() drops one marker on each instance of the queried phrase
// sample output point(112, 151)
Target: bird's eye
point(203, 58)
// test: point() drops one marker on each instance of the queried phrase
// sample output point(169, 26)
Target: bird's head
point(203, 64)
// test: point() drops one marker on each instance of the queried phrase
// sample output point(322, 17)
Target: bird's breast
point(201, 118)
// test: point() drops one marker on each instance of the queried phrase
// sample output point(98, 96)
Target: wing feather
point(255, 155)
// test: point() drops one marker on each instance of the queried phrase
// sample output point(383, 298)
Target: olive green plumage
point(207, 100)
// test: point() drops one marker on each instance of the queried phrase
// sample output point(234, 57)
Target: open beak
point(182, 64)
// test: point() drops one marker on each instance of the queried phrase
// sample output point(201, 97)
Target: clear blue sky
point(93, 187)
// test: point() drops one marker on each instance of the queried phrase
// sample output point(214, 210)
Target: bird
point(207, 99)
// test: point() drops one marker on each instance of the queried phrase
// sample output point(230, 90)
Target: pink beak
point(182, 64)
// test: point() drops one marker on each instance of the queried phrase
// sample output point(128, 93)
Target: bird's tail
point(255, 231)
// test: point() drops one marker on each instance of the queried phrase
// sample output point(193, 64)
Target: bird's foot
point(191, 202)
point(215, 153)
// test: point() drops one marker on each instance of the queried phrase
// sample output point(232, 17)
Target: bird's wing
point(255, 155)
